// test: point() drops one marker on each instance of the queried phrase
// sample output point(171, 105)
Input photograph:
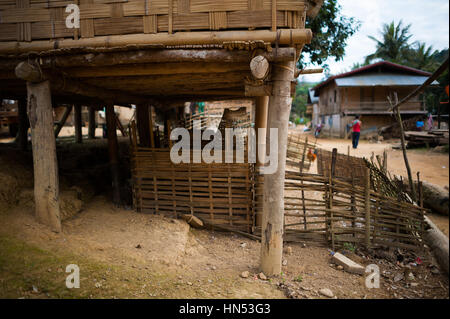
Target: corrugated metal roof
point(383, 79)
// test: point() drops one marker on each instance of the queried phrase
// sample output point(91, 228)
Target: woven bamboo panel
point(346, 166)
point(219, 194)
point(27, 20)
point(333, 212)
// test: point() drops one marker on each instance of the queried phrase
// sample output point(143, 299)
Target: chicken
point(311, 156)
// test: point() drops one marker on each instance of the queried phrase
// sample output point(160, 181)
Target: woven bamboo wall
point(27, 20)
point(219, 194)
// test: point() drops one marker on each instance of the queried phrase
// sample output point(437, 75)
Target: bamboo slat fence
point(328, 209)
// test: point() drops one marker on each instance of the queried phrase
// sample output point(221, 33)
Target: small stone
point(326, 292)
point(245, 274)
point(411, 276)
point(284, 263)
point(262, 276)
point(98, 285)
point(35, 290)
point(414, 284)
point(340, 267)
point(139, 246)
point(213, 267)
point(189, 283)
point(243, 245)
point(289, 250)
point(398, 277)
point(303, 245)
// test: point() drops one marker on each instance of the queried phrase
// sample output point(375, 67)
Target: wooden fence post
point(367, 205)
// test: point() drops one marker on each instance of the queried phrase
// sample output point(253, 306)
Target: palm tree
point(422, 57)
point(393, 44)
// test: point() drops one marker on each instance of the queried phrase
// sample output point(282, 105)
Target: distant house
point(364, 92)
point(312, 107)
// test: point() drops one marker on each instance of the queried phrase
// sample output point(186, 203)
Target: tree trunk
point(77, 119)
point(24, 124)
point(92, 124)
point(46, 184)
point(143, 124)
point(273, 212)
point(113, 152)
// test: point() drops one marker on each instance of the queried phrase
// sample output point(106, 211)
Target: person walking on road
point(356, 131)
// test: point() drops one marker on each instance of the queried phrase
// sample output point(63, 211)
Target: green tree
point(422, 57)
point(331, 31)
point(300, 100)
point(393, 45)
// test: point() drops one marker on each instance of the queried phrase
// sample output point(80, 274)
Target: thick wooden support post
point(77, 120)
point(63, 120)
point(143, 124)
point(92, 125)
point(273, 212)
point(24, 124)
point(113, 150)
point(261, 110)
point(46, 184)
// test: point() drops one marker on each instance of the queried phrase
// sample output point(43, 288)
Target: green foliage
point(331, 31)
point(299, 278)
point(349, 247)
point(394, 46)
point(300, 100)
point(394, 43)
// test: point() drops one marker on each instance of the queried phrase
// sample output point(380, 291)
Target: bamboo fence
point(219, 194)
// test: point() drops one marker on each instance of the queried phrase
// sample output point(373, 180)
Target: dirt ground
point(122, 254)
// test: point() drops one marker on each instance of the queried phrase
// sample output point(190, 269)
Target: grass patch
point(23, 266)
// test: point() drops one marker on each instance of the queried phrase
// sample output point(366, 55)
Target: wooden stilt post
point(24, 124)
point(113, 149)
point(261, 110)
point(63, 120)
point(77, 119)
point(273, 212)
point(46, 183)
point(152, 138)
point(143, 124)
point(92, 124)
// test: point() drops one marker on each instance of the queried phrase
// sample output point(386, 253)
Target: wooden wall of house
point(375, 98)
point(330, 100)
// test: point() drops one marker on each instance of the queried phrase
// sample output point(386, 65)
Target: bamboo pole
point(367, 205)
point(403, 143)
point(282, 36)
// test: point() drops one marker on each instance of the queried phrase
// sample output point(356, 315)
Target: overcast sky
point(429, 21)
